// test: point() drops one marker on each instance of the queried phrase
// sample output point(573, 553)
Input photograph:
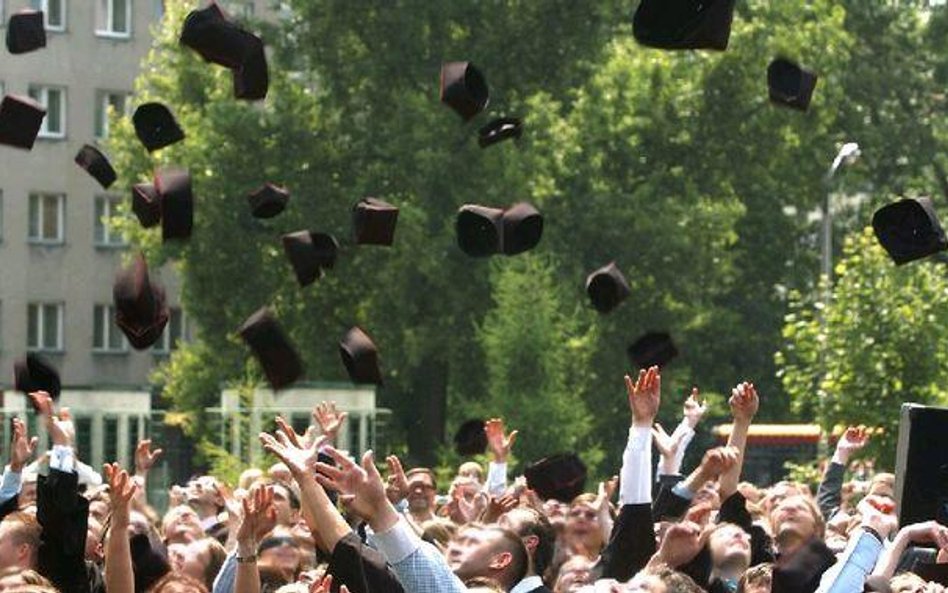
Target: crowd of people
point(318, 521)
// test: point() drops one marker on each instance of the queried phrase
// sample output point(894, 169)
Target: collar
point(528, 584)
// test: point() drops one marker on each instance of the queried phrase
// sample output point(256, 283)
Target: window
point(106, 335)
point(54, 12)
point(1, 216)
point(113, 18)
point(105, 236)
point(44, 324)
point(54, 100)
point(104, 101)
point(157, 9)
point(176, 331)
point(47, 213)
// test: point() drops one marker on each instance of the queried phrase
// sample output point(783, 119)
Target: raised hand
point(22, 447)
point(607, 490)
point(396, 487)
point(744, 402)
point(929, 532)
point(693, 409)
point(362, 483)
point(145, 458)
point(121, 492)
point(497, 507)
point(667, 444)
point(854, 439)
point(878, 513)
point(60, 426)
point(259, 517)
point(329, 419)
point(718, 460)
point(499, 443)
point(289, 448)
point(681, 544)
point(644, 396)
point(324, 585)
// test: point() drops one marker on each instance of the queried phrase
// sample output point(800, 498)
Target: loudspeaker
point(921, 466)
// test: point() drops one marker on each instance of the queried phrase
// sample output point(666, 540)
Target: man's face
point(470, 551)
point(204, 496)
point(182, 525)
point(574, 574)
point(285, 514)
point(421, 492)
point(11, 554)
point(582, 526)
point(556, 512)
point(646, 583)
point(794, 518)
point(730, 544)
point(27, 493)
point(279, 549)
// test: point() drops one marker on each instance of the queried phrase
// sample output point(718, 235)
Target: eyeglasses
point(275, 542)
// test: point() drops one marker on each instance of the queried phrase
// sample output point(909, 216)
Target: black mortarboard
point(374, 221)
point(789, 84)
point(96, 164)
point(652, 349)
point(523, 227)
point(177, 203)
point(20, 121)
point(683, 24)
point(310, 254)
point(463, 88)
point(140, 309)
point(561, 476)
point(33, 373)
point(268, 200)
point(607, 288)
point(361, 357)
point(252, 76)
point(149, 562)
point(480, 230)
point(155, 126)
point(499, 130)
point(909, 229)
point(210, 32)
point(146, 204)
point(270, 344)
point(470, 438)
point(26, 32)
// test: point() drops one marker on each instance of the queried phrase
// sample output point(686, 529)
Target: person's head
point(249, 477)
point(204, 496)
point(279, 472)
point(756, 579)
point(488, 551)
point(574, 574)
point(907, 582)
point(19, 541)
point(280, 551)
point(99, 506)
point(537, 535)
point(421, 489)
point(730, 549)
point(181, 525)
point(556, 512)
point(14, 577)
point(201, 559)
point(286, 502)
point(795, 520)
point(582, 525)
point(708, 495)
point(468, 487)
point(438, 532)
point(27, 488)
point(781, 490)
point(176, 582)
point(471, 470)
point(662, 579)
point(883, 484)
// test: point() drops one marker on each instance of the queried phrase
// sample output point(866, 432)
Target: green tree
point(879, 341)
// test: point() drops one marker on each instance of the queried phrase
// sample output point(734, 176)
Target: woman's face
point(582, 527)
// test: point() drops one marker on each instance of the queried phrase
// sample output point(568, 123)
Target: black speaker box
point(921, 466)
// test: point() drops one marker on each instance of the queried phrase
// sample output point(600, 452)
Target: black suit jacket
point(360, 568)
point(631, 545)
point(541, 589)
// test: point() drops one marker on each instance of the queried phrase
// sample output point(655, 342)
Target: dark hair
point(541, 528)
point(520, 559)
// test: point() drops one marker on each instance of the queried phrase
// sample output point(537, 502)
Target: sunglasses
point(275, 542)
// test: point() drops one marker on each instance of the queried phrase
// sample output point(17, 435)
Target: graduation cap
point(177, 203)
point(310, 254)
point(683, 24)
point(561, 477)
point(268, 200)
point(155, 126)
point(146, 204)
point(214, 36)
point(374, 221)
point(470, 438)
point(149, 563)
point(463, 88)
point(361, 357)
point(652, 349)
point(26, 32)
point(272, 347)
point(523, 227)
point(96, 164)
point(140, 308)
point(909, 229)
point(252, 76)
point(20, 121)
point(480, 230)
point(498, 130)
point(789, 84)
point(33, 373)
point(607, 288)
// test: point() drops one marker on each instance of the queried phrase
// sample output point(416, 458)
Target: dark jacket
point(631, 545)
point(360, 568)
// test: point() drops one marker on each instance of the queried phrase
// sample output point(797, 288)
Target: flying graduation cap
point(607, 287)
point(789, 84)
point(20, 121)
point(652, 349)
point(26, 32)
point(310, 254)
point(33, 373)
point(360, 357)
point(684, 24)
point(97, 165)
point(464, 89)
point(272, 347)
point(909, 230)
point(141, 311)
point(155, 126)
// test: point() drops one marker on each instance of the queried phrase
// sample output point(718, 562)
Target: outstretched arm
point(119, 575)
point(744, 404)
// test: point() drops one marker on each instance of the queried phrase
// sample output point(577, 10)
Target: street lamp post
point(846, 155)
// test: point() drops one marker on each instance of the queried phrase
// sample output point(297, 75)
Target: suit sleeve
point(360, 568)
point(829, 494)
point(632, 543)
point(63, 515)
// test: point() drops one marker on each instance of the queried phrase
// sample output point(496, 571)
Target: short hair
point(484, 583)
point(25, 529)
point(756, 575)
point(675, 582)
point(438, 531)
point(540, 527)
point(585, 498)
point(30, 577)
point(471, 466)
point(177, 582)
point(217, 554)
point(511, 542)
point(421, 470)
point(290, 490)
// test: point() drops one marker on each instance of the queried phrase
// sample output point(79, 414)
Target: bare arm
point(119, 575)
point(744, 404)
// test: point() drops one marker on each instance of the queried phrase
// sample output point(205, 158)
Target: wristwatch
point(246, 559)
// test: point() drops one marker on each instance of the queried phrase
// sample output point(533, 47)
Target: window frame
point(101, 115)
point(110, 8)
point(42, 97)
point(60, 223)
point(112, 239)
point(41, 326)
point(105, 314)
point(63, 5)
point(164, 346)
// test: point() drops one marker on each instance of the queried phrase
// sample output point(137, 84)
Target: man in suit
point(538, 536)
